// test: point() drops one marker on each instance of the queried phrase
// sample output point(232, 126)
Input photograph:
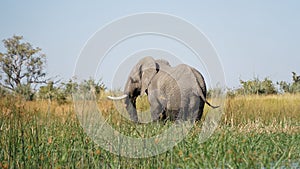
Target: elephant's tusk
point(117, 98)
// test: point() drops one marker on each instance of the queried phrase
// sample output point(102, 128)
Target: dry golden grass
point(245, 112)
point(263, 113)
point(47, 106)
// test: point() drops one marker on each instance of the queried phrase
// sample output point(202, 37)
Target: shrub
point(257, 86)
point(293, 87)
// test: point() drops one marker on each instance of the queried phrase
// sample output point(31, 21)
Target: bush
point(52, 92)
point(293, 87)
point(62, 93)
point(25, 91)
point(257, 86)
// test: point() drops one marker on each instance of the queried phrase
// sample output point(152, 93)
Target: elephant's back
point(184, 73)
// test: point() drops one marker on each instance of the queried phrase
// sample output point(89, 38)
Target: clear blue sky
point(252, 38)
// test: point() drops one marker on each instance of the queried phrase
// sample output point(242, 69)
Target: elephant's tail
point(210, 104)
point(201, 87)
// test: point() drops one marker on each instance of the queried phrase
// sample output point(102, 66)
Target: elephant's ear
point(148, 70)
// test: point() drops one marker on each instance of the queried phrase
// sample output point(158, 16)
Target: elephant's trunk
point(131, 102)
point(131, 108)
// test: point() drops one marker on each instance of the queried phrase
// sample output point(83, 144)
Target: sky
point(252, 38)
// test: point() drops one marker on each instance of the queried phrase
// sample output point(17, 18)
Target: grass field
point(255, 132)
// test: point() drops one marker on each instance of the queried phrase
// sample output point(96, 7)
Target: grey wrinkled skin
point(173, 92)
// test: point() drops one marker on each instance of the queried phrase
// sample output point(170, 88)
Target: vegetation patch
point(255, 132)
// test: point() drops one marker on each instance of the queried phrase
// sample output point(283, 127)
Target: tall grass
point(256, 132)
point(280, 112)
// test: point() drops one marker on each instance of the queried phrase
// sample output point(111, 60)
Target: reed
point(255, 132)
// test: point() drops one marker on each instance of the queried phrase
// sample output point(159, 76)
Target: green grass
point(255, 132)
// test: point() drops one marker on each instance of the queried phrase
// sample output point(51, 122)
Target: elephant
point(173, 92)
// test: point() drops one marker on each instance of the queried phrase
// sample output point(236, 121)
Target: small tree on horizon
point(256, 86)
point(22, 66)
point(293, 87)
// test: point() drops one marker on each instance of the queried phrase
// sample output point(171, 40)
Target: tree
point(293, 87)
point(21, 66)
point(296, 78)
point(257, 86)
point(48, 91)
point(62, 93)
point(52, 92)
point(70, 87)
point(92, 85)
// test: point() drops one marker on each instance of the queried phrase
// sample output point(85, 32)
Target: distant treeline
point(267, 86)
point(62, 91)
point(23, 72)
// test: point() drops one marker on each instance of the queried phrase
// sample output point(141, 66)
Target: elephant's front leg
point(156, 108)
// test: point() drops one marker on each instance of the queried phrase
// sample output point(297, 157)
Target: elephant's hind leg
point(194, 108)
point(200, 110)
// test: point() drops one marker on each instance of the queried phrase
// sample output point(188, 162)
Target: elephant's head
point(138, 82)
point(140, 77)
